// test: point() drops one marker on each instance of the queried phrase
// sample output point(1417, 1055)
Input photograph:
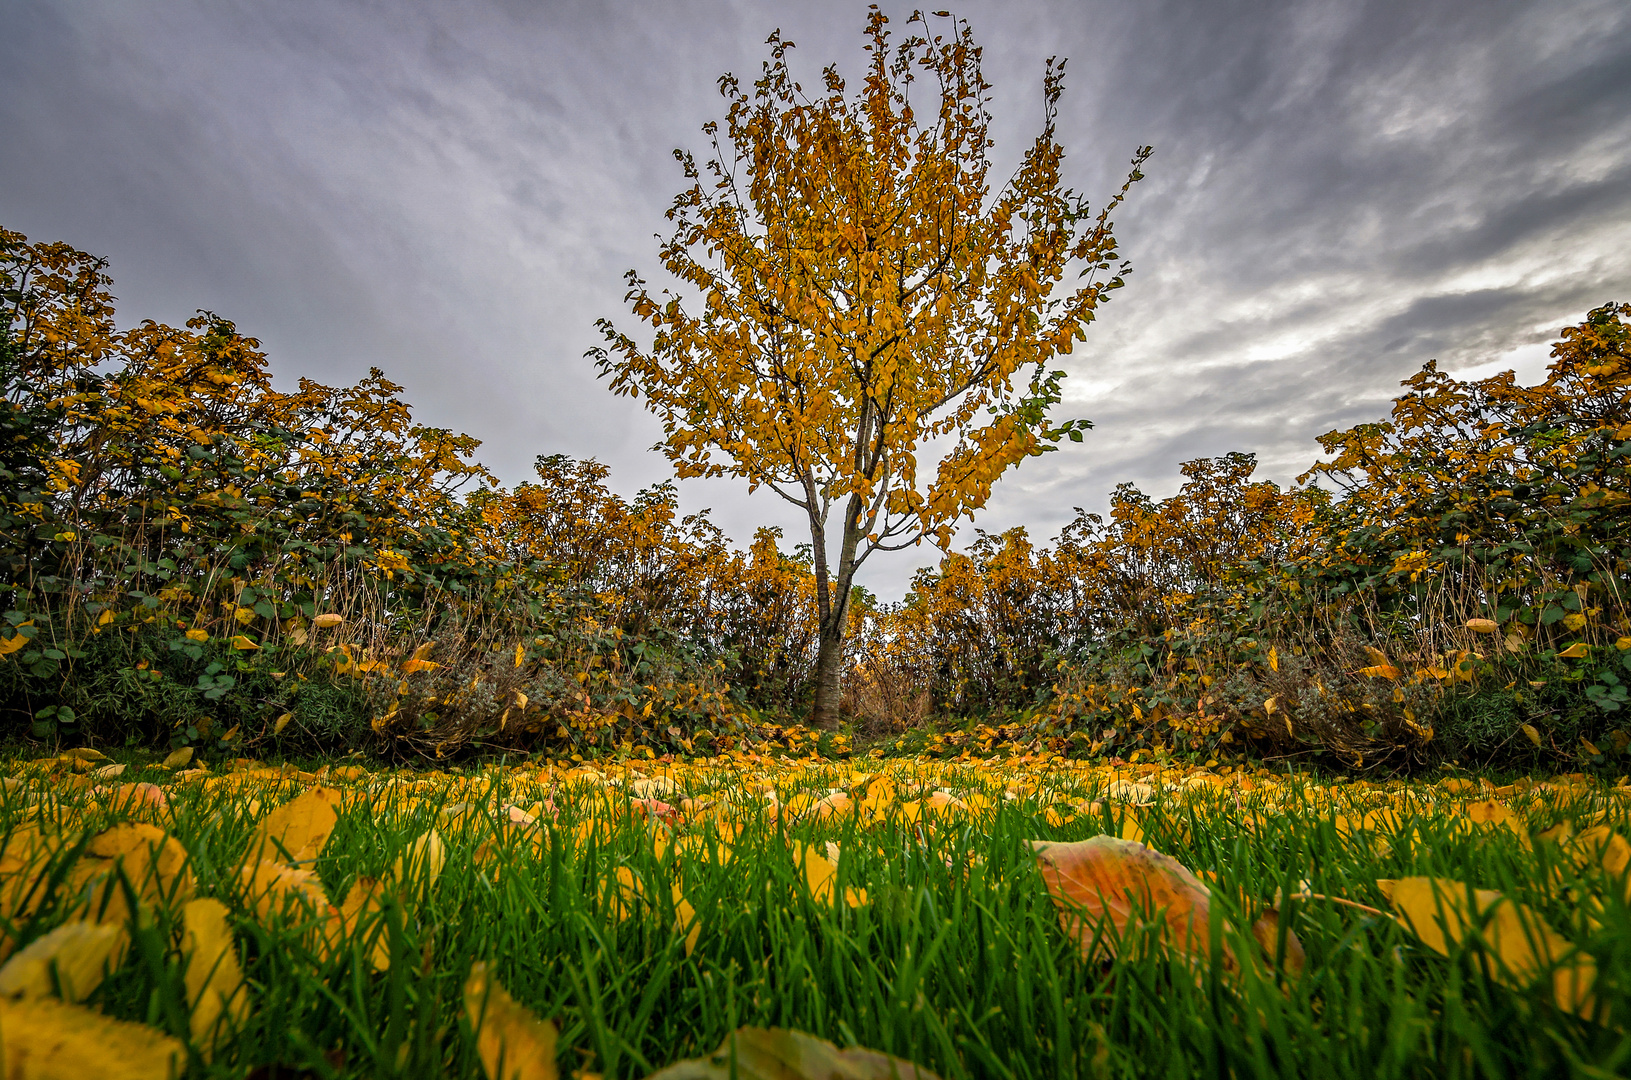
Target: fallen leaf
point(420, 864)
point(1525, 948)
point(1107, 877)
point(81, 954)
point(363, 902)
point(326, 620)
point(780, 1054)
point(271, 888)
point(297, 830)
point(820, 873)
point(215, 981)
point(46, 1039)
point(685, 920)
point(1110, 883)
point(153, 862)
point(513, 1044)
point(179, 758)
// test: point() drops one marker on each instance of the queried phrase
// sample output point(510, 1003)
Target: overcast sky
point(1340, 191)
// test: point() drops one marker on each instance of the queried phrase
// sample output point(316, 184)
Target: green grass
point(957, 961)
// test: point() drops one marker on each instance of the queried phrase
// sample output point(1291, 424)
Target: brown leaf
point(1106, 878)
point(1125, 882)
point(752, 1053)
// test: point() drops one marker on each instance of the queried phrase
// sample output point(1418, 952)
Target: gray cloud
point(1341, 191)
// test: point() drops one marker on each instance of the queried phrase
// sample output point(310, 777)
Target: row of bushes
point(189, 555)
point(1449, 581)
point(178, 537)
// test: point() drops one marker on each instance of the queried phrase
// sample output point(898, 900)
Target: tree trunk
point(829, 662)
point(834, 620)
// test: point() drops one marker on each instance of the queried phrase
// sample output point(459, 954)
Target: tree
point(865, 296)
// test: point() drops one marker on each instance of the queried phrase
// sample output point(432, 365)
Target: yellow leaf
point(46, 1039)
point(419, 865)
point(685, 920)
point(1623, 644)
point(215, 982)
point(198, 635)
point(1483, 626)
point(1524, 947)
point(411, 666)
point(1274, 659)
point(520, 653)
point(178, 758)
point(1575, 652)
point(242, 643)
point(271, 888)
point(1385, 671)
point(15, 641)
point(1491, 812)
point(105, 618)
point(155, 865)
point(1530, 733)
point(323, 622)
point(298, 829)
point(80, 953)
point(364, 900)
point(820, 873)
point(513, 1044)
point(282, 722)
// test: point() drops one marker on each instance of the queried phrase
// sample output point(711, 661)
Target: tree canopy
point(864, 320)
